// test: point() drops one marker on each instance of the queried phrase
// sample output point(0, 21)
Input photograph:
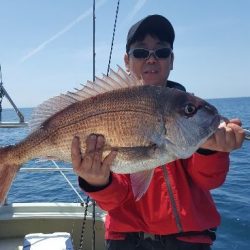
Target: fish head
point(189, 122)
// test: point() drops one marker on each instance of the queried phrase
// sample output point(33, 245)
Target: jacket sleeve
point(208, 171)
point(112, 195)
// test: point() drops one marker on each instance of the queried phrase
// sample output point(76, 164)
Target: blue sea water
point(232, 199)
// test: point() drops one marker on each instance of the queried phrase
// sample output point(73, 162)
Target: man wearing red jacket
point(177, 211)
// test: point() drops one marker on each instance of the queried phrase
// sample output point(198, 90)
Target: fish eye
point(190, 109)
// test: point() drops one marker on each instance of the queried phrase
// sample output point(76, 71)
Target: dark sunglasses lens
point(140, 53)
point(163, 53)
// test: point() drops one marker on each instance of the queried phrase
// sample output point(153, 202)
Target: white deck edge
point(47, 210)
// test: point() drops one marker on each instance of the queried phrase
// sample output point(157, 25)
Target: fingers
point(97, 156)
point(239, 134)
point(109, 160)
point(98, 165)
point(229, 136)
point(76, 153)
point(91, 165)
point(90, 152)
point(236, 121)
point(226, 139)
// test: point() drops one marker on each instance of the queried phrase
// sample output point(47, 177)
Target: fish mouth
point(216, 121)
point(224, 119)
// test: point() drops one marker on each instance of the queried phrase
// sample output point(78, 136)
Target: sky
point(46, 47)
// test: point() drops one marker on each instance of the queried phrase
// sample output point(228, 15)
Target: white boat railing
point(54, 169)
point(13, 124)
point(46, 169)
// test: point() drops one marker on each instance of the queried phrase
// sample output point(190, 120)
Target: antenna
point(3, 93)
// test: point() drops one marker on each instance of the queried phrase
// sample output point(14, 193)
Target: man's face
point(152, 71)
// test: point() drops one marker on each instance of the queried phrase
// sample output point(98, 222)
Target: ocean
point(232, 198)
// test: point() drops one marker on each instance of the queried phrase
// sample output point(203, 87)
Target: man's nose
point(151, 58)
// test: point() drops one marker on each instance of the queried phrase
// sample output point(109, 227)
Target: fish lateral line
point(44, 125)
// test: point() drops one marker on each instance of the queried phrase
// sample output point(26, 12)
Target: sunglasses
point(140, 53)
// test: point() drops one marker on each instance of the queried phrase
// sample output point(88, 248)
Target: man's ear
point(172, 61)
point(126, 61)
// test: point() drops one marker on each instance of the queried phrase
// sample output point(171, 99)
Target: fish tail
point(8, 170)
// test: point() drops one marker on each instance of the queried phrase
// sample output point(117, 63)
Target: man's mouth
point(150, 71)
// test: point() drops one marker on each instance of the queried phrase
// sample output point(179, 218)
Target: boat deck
point(12, 243)
point(20, 219)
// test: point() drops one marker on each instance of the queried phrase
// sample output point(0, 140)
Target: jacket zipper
point(172, 201)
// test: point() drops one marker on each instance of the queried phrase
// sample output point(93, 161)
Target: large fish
point(148, 125)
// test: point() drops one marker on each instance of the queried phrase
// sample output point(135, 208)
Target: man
point(177, 211)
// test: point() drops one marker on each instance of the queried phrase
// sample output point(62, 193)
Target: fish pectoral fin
point(140, 182)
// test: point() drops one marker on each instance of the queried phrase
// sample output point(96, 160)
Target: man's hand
point(229, 136)
point(90, 166)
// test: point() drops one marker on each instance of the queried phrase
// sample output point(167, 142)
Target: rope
point(113, 36)
point(93, 225)
point(110, 55)
point(70, 184)
point(84, 222)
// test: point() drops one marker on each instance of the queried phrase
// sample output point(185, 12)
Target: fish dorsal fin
point(116, 80)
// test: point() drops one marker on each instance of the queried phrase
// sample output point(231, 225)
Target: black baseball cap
point(156, 24)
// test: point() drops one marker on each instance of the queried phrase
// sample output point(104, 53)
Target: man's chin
point(152, 80)
point(155, 83)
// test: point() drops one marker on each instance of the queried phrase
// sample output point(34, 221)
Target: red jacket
point(186, 206)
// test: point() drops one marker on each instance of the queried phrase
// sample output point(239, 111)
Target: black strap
point(209, 232)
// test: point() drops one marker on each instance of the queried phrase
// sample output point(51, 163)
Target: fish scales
point(137, 99)
point(149, 125)
point(127, 118)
